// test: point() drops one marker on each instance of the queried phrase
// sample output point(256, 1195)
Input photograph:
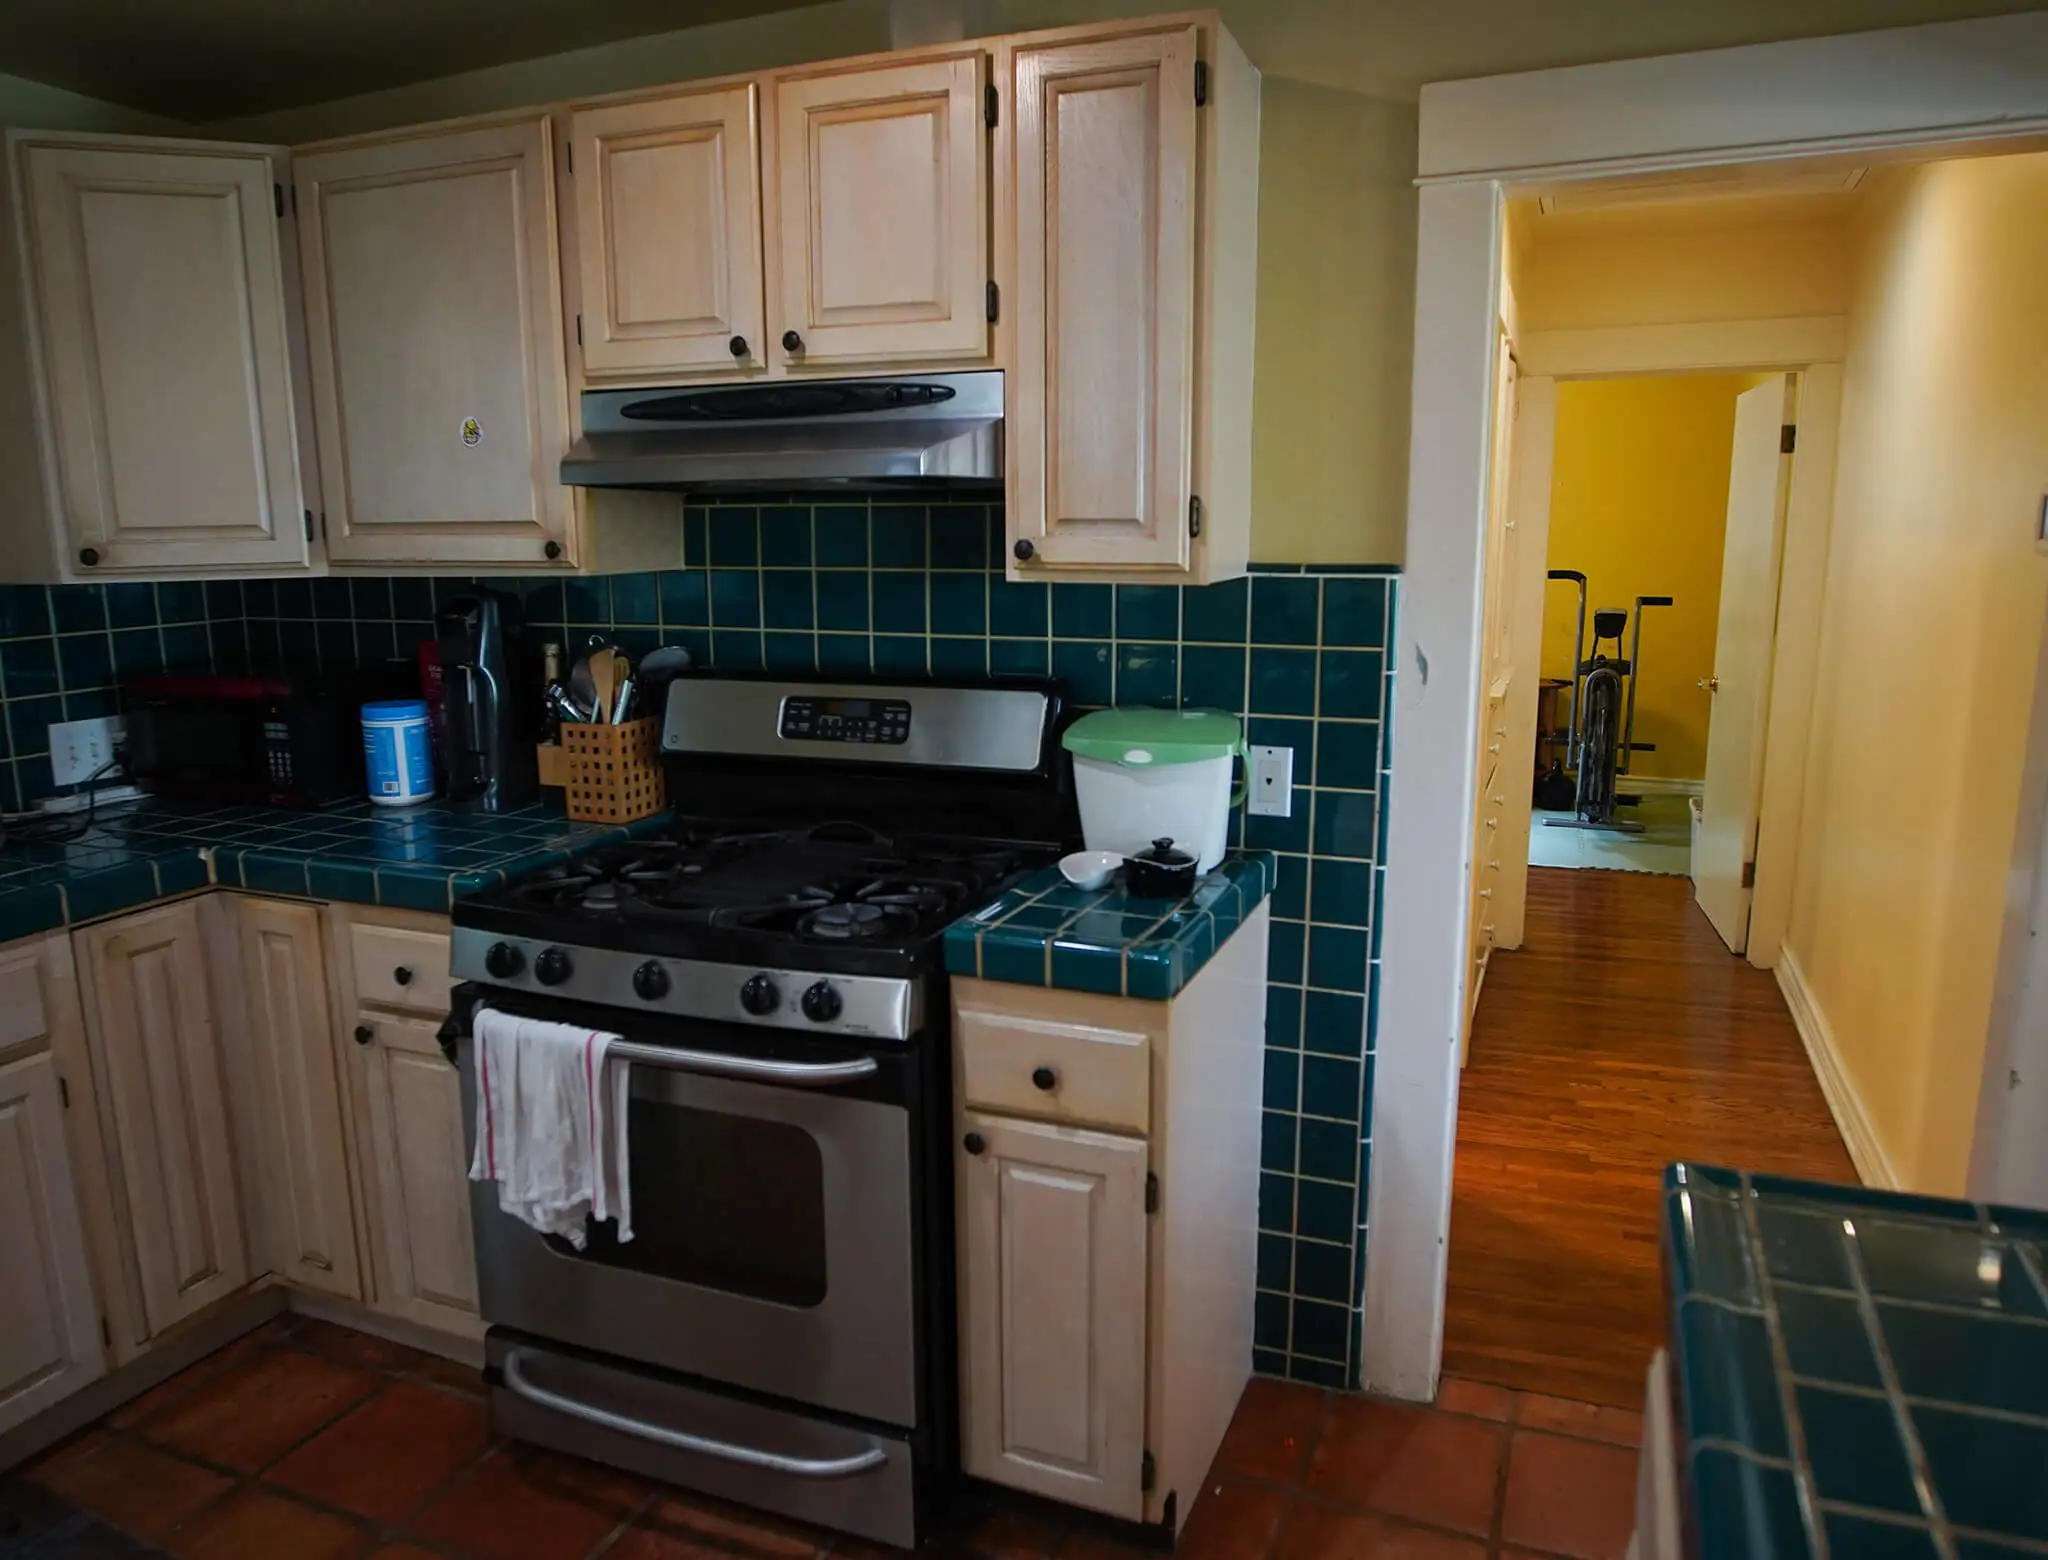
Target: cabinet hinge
point(1749, 874)
point(293, 193)
point(323, 525)
point(277, 195)
point(579, 330)
point(995, 300)
point(1787, 437)
point(1194, 515)
point(569, 154)
point(1148, 1472)
point(1151, 1192)
point(1201, 83)
point(991, 105)
point(64, 1092)
point(106, 1332)
point(309, 525)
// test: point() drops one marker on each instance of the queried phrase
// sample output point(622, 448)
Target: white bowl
point(1089, 868)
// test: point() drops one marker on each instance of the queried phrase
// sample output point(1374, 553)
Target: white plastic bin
point(1143, 774)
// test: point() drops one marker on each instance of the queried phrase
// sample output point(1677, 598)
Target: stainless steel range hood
point(935, 429)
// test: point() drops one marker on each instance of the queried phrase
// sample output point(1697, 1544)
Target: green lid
point(1148, 736)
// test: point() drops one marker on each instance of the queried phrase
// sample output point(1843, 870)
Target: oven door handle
point(873, 1456)
point(802, 1075)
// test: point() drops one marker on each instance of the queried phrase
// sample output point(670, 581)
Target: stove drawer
point(1053, 1069)
point(400, 968)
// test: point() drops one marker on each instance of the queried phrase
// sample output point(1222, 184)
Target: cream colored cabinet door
point(434, 319)
point(1100, 181)
point(426, 1257)
point(668, 227)
point(160, 293)
point(156, 1056)
point(1052, 1301)
point(49, 1323)
point(284, 972)
point(879, 214)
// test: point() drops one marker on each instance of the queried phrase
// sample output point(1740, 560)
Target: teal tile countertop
point(1856, 1373)
point(1046, 932)
point(415, 858)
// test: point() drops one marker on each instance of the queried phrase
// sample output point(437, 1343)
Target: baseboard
point(393, 1329)
point(1865, 1151)
point(1657, 785)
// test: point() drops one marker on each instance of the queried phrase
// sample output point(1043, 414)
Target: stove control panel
point(885, 721)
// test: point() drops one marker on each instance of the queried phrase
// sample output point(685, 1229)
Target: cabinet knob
point(1024, 550)
point(1045, 1078)
point(365, 1034)
point(974, 1143)
point(552, 550)
point(88, 556)
point(737, 346)
point(792, 342)
point(403, 975)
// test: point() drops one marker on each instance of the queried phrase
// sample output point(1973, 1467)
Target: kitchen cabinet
point(1126, 215)
point(1106, 1170)
point(148, 315)
point(308, 1200)
point(877, 212)
point(668, 234)
point(50, 1343)
point(157, 1061)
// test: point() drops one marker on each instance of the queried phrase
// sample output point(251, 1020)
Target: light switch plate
point(1272, 782)
point(79, 749)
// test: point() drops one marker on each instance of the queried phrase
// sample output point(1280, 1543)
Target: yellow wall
point(1934, 616)
point(1639, 504)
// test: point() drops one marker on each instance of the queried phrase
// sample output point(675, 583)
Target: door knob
point(1045, 1078)
point(792, 342)
point(1023, 549)
point(365, 1034)
point(1711, 684)
point(89, 556)
point(974, 1143)
point(402, 975)
point(737, 346)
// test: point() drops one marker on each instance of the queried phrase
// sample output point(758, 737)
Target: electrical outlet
point(79, 749)
point(1272, 782)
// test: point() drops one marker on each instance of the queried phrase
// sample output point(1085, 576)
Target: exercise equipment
point(1601, 733)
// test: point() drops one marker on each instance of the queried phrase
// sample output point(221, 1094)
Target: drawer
point(395, 967)
point(1055, 1071)
point(21, 999)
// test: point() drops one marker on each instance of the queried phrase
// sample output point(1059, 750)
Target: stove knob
point(822, 1003)
point(552, 967)
point(503, 961)
point(759, 996)
point(650, 981)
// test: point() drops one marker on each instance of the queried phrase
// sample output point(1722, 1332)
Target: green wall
point(35, 106)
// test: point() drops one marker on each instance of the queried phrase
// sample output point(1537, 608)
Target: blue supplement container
point(396, 752)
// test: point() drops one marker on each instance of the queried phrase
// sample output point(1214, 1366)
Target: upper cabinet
point(1127, 216)
point(146, 361)
point(668, 234)
point(434, 316)
point(878, 213)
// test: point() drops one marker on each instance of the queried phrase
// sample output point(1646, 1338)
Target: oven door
point(772, 1215)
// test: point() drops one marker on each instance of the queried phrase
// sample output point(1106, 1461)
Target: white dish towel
point(551, 1124)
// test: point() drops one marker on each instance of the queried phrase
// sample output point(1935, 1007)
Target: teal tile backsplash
point(875, 585)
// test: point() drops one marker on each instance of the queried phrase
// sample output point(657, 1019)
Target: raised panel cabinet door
point(160, 302)
point(292, 1036)
point(668, 227)
point(434, 323)
point(881, 213)
point(1102, 175)
point(152, 1026)
point(427, 1257)
point(49, 1322)
point(1052, 1297)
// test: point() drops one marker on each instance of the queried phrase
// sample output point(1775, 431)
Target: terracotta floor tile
point(383, 1458)
point(1008, 1535)
point(404, 1552)
point(524, 1504)
point(646, 1543)
point(1570, 1497)
point(1595, 1421)
point(734, 1528)
point(1231, 1521)
point(131, 1485)
point(1410, 1462)
point(450, 1376)
point(255, 1412)
point(253, 1522)
point(170, 1390)
point(1090, 1543)
point(1314, 1532)
point(1273, 1430)
point(354, 1348)
point(1456, 1395)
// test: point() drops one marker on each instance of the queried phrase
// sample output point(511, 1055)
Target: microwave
point(281, 740)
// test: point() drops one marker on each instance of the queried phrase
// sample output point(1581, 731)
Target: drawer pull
point(365, 1034)
point(1045, 1078)
point(974, 1143)
point(403, 975)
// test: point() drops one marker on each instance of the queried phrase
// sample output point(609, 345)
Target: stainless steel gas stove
point(780, 1329)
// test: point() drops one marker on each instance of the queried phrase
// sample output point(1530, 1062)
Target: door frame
point(1902, 94)
point(1810, 348)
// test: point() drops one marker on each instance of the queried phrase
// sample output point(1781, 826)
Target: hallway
point(1620, 1036)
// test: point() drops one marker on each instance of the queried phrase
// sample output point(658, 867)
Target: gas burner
point(860, 921)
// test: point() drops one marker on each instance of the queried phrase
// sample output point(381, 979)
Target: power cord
point(58, 828)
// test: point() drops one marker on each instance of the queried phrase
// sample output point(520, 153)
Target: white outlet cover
point(80, 748)
point(1272, 782)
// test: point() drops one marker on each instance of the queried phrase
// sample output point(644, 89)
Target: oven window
point(727, 1202)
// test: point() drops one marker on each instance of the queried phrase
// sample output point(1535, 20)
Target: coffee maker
point(487, 744)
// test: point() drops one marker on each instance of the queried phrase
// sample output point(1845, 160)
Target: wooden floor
point(1620, 1036)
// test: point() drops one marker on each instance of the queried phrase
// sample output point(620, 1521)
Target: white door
point(1759, 480)
point(1052, 1297)
point(49, 1323)
point(159, 283)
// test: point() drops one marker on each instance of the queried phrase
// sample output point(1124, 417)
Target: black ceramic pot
point(1161, 872)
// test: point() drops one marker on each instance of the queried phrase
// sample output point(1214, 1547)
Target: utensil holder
point(614, 771)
